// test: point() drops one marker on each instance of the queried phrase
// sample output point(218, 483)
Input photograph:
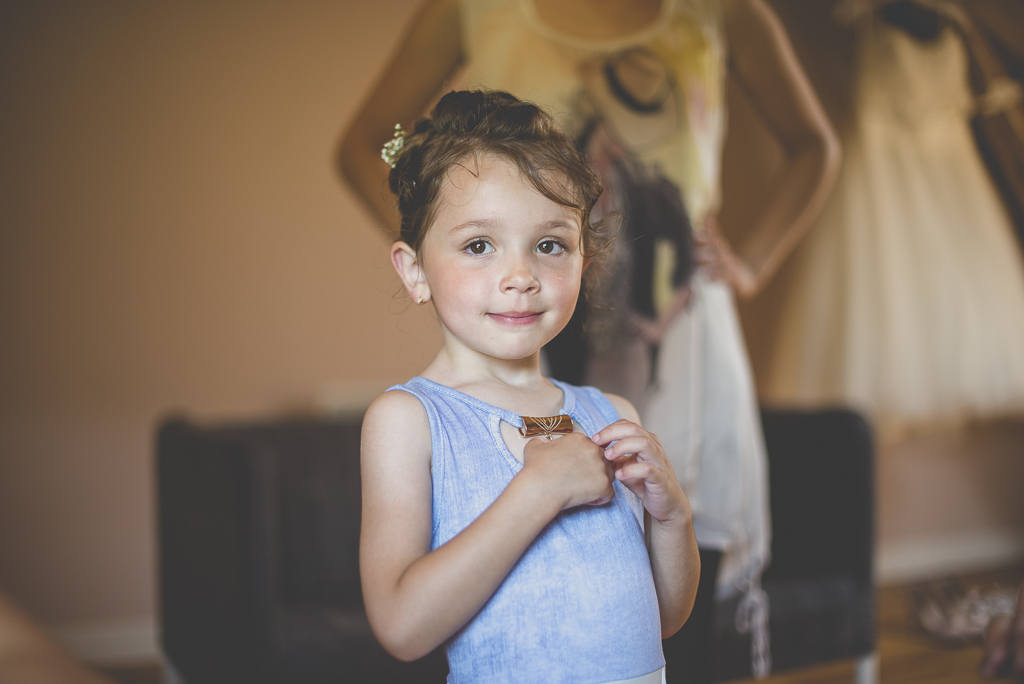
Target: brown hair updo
point(470, 122)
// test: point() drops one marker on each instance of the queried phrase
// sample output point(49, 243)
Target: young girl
point(525, 555)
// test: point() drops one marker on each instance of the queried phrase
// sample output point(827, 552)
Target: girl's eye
point(479, 247)
point(550, 247)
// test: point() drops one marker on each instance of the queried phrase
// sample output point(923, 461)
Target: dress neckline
point(528, 8)
point(938, 43)
point(510, 417)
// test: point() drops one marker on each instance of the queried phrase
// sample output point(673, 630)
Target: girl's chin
point(513, 355)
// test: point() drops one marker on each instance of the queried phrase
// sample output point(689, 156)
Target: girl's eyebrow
point(485, 223)
point(559, 223)
point(490, 224)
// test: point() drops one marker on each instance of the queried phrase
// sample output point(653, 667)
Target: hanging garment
point(697, 395)
point(906, 299)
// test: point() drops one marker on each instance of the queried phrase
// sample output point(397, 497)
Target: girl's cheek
point(454, 285)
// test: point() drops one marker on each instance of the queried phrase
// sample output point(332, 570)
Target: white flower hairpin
point(393, 147)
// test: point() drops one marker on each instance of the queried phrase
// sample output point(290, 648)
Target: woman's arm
point(416, 598)
point(764, 65)
point(641, 465)
point(428, 54)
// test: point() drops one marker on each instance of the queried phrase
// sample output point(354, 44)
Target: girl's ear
point(406, 262)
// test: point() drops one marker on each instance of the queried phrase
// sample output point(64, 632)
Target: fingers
point(715, 256)
point(1013, 641)
point(709, 250)
point(996, 649)
point(634, 452)
point(640, 446)
point(618, 430)
point(1004, 646)
point(639, 470)
point(541, 441)
point(707, 231)
point(707, 256)
point(623, 438)
point(646, 329)
point(574, 468)
point(1016, 642)
point(717, 262)
point(713, 252)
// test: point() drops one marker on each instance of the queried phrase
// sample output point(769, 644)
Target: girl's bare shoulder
point(396, 426)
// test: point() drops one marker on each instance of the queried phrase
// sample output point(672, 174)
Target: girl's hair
point(466, 123)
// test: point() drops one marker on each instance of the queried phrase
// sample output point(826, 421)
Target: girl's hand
point(573, 467)
point(720, 262)
point(640, 463)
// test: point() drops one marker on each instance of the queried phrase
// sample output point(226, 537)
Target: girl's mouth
point(515, 317)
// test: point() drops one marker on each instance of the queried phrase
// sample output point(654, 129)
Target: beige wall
point(172, 237)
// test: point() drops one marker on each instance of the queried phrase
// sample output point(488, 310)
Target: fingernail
point(608, 451)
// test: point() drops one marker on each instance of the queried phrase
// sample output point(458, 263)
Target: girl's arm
point(641, 464)
point(416, 598)
point(763, 64)
point(428, 54)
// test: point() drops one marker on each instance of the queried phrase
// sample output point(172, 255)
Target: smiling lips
point(515, 317)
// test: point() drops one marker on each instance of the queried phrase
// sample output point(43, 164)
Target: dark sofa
point(819, 583)
point(259, 531)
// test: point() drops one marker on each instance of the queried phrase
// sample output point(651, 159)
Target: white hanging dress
point(907, 296)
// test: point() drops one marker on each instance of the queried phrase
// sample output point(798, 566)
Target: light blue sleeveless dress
point(580, 605)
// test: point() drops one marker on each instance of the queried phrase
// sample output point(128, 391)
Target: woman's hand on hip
point(715, 255)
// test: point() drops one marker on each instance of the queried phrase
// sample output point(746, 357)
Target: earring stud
point(419, 300)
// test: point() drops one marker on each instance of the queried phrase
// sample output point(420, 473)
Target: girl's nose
point(519, 276)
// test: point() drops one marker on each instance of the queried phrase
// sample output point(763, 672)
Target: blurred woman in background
point(641, 84)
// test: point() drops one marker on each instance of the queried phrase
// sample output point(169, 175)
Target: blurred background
point(174, 239)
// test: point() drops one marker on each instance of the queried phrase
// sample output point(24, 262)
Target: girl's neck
point(459, 368)
point(513, 384)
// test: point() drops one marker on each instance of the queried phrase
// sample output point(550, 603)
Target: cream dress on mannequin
point(907, 297)
point(702, 403)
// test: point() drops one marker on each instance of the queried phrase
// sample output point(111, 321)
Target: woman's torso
point(510, 47)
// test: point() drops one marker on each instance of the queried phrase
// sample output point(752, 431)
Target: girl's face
point(501, 262)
